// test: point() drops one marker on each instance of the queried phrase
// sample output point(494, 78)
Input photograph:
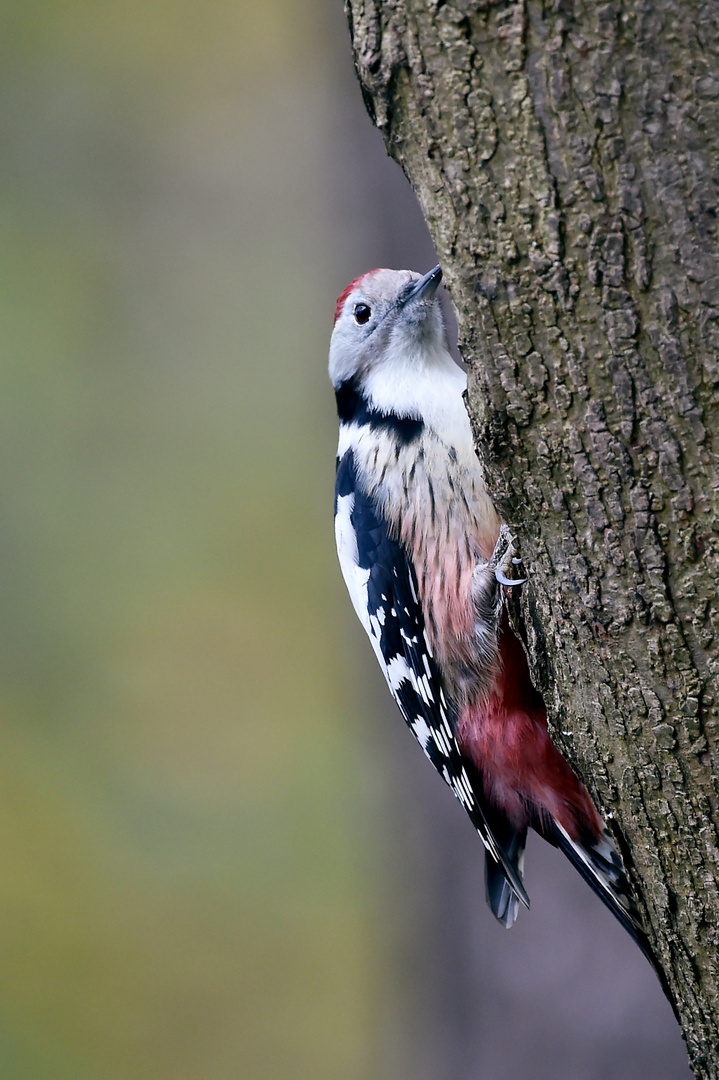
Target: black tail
point(601, 866)
point(501, 897)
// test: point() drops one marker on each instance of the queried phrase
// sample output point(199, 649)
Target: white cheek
point(345, 345)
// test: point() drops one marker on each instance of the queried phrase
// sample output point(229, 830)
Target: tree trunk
point(565, 156)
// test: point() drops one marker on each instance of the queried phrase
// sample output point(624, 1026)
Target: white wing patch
point(355, 576)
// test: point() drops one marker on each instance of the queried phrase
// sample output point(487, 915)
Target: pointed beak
point(426, 287)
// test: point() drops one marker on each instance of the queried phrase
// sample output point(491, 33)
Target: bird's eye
point(362, 313)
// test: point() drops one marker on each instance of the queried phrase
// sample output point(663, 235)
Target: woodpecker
point(428, 564)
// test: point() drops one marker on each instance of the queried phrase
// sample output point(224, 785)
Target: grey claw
point(504, 580)
point(516, 561)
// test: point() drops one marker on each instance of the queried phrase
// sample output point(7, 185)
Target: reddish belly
point(506, 737)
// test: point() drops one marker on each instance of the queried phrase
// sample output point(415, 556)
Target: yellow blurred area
point(175, 40)
point(178, 891)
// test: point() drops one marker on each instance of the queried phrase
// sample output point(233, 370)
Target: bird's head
point(386, 319)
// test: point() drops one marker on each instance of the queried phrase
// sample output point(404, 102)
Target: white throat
point(422, 383)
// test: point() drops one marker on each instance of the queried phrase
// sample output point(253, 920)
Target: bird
point(429, 565)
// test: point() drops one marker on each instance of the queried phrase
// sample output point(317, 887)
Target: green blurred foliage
point(179, 895)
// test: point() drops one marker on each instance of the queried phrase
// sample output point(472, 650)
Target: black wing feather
point(395, 624)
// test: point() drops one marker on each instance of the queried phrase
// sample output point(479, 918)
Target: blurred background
point(221, 854)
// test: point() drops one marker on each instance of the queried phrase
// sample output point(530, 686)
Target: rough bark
point(565, 155)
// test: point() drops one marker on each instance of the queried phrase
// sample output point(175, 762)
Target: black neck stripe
point(353, 408)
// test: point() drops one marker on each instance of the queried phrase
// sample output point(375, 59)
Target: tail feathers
point(601, 866)
point(501, 895)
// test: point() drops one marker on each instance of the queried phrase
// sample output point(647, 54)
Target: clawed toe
point(503, 557)
point(504, 580)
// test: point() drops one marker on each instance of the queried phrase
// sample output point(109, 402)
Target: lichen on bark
point(566, 155)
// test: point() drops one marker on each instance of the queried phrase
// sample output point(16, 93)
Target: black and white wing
point(383, 588)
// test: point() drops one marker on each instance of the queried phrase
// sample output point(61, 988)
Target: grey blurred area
point(221, 854)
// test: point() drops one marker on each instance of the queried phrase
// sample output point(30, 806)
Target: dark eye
point(362, 313)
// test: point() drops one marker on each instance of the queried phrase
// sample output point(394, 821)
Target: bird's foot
point(504, 557)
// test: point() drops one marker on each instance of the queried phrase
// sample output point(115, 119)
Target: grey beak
point(426, 287)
